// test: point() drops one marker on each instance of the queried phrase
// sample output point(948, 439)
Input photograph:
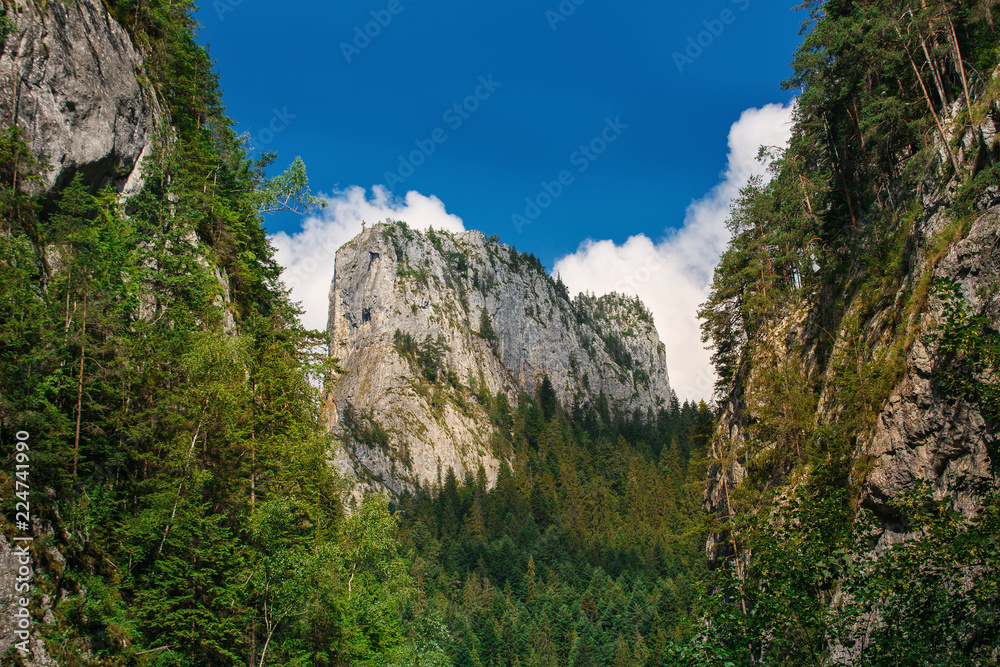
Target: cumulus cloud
point(308, 255)
point(673, 275)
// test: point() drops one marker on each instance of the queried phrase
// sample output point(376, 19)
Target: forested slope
point(181, 508)
point(854, 322)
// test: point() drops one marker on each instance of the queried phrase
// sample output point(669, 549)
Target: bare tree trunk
point(79, 390)
point(856, 118)
point(805, 194)
point(253, 471)
point(69, 278)
point(732, 540)
point(930, 104)
point(935, 70)
point(767, 256)
point(961, 65)
point(252, 658)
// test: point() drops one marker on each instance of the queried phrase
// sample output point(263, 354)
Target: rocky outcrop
point(920, 434)
point(18, 572)
point(429, 330)
point(70, 79)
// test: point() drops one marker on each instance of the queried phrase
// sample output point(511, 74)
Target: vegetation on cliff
point(814, 310)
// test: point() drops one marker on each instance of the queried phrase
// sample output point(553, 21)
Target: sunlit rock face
point(491, 323)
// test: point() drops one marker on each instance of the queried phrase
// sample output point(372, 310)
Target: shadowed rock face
point(68, 78)
point(918, 435)
point(437, 288)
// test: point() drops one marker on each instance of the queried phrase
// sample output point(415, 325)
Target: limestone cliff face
point(920, 434)
point(69, 78)
point(421, 323)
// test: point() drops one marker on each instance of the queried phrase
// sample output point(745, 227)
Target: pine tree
point(547, 398)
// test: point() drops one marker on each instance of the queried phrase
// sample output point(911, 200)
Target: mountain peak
point(432, 328)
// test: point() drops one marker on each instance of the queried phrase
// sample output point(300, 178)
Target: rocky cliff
point(434, 332)
point(865, 359)
point(70, 79)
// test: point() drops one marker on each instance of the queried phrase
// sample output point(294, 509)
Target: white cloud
point(672, 276)
point(308, 255)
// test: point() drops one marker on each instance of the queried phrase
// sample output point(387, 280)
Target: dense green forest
point(588, 550)
point(185, 513)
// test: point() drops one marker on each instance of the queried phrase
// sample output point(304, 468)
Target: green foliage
point(405, 346)
point(20, 174)
point(781, 406)
point(616, 349)
point(486, 330)
point(970, 353)
point(434, 239)
point(364, 430)
point(932, 600)
point(288, 192)
point(547, 401)
point(777, 610)
point(427, 358)
point(376, 580)
point(561, 289)
point(421, 275)
point(175, 416)
point(587, 548)
point(7, 26)
point(814, 583)
point(770, 257)
point(159, 430)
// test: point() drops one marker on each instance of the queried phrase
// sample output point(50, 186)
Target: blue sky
point(593, 91)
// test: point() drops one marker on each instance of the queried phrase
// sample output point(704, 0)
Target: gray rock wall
point(391, 278)
point(920, 434)
point(31, 651)
point(69, 78)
